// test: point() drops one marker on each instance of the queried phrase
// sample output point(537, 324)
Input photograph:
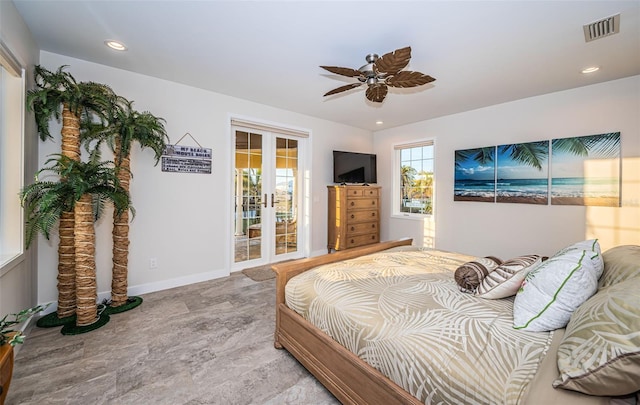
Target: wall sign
point(186, 159)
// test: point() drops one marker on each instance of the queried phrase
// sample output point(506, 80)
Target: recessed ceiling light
point(379, 122)
point(118, 46)
point(590, 69)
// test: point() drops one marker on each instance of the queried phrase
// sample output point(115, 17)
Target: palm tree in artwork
point(532, 154)
point(58, 95)
point(84, 189)
point(481, 155)
point(535, 153)
point(126, 127)
point(604, 144)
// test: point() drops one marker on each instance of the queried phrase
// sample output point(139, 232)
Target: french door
point(267, 197)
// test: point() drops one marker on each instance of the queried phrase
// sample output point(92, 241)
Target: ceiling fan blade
point(377, 93)
point(408, 79)
point(343, 71)
point(343, 88)
point(393, 62)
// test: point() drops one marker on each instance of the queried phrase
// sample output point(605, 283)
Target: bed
point(352, 355)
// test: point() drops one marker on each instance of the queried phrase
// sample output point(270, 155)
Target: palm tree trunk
point(119, 277)
point(70, 133)
point(66, 267)
point(86, 288)
point(66, 249)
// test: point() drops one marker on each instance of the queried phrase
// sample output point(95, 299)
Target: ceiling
point(480, 52)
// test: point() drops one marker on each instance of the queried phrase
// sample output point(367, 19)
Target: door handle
point(265, 201)
point(272, 200)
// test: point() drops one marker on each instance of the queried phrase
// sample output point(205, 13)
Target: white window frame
point(12, 113)
point(396, 183)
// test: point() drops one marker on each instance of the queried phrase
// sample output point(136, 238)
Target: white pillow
point(553, 290)
point(504, 280)
point(588, 245)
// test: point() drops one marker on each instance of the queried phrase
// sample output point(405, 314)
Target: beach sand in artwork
point(522, 200)
point(472, 198)
point(590, 201)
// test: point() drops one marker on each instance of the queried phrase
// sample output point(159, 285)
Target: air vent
point(602, 28)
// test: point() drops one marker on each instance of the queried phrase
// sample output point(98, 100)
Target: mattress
point(402, 312)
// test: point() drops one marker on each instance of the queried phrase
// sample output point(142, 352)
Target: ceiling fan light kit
point(380, 73)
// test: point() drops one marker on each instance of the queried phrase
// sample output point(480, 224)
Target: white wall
point(18, 279)
point(508, 230)
point(184, 220)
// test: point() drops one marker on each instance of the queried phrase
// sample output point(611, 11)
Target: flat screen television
point(352, 167)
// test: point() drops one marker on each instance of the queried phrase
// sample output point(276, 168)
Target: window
point(11, 156)
point(414, 179)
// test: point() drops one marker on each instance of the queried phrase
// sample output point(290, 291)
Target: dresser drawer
point(365, 227)
point(362, 240)
point(362, 192)
point(362, 216)
point(362, 203)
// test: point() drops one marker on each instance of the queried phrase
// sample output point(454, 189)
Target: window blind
point(259, 126)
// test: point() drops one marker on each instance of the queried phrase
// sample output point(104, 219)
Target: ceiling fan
point(381, 72)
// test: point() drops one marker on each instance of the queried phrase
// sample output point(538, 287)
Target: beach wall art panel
point(475, 174)
point(523, 173)
point(585, 170)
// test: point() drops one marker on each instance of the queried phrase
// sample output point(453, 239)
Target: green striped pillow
point(553, 290)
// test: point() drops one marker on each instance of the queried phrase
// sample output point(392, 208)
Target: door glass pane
point(286, 200)
point(248, 196)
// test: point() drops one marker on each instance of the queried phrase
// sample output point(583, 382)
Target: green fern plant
point(13, 337)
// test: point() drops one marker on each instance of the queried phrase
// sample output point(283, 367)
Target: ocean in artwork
point(602, 191)
point(474, 189)
point(516, 189)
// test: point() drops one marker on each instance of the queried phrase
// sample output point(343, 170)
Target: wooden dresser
point(354, 216)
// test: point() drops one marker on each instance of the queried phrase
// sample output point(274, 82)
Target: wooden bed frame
point(349, 378)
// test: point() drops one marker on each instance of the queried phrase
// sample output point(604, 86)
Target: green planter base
point(51, 320)
point(131, 303)
point(72, 329)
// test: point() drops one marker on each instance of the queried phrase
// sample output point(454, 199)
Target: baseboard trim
point(155, 286)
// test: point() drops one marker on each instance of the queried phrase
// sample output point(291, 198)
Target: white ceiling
point(480, 52)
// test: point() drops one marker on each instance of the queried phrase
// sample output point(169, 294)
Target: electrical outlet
point(153, 263)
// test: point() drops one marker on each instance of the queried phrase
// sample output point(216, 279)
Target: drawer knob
point(352, 216)
point(353, 241)
point(373, 203)
point(373, 236)
point(353, 228)
point(353, 203)
point(373, 226)
point(373, 214)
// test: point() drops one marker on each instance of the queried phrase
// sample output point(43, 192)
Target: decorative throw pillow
point(620, 263)
point(469, 275)
point(590, 244)
point(505, 280)
point(600, 351)
point(553, 290)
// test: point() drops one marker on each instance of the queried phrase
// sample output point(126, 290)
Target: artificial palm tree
point(148, 131)
point(126, 126)
point(82, 188)
point(58, 95)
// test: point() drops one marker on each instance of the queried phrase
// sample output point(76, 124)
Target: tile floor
point(207, 343)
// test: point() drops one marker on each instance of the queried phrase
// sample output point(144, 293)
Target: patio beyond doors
point(267, 197)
